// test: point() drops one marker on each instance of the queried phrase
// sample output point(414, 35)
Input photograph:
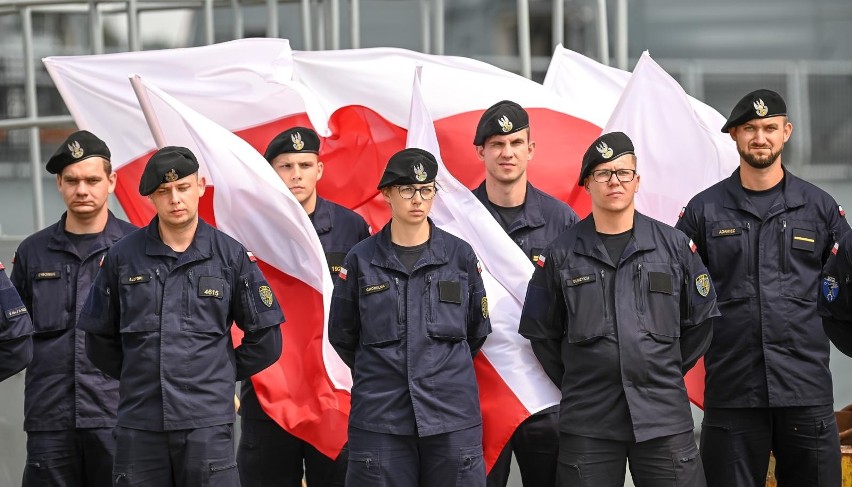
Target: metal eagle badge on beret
point(605, 150)
point(830, 289)
point(702, 284)
point(76, 150)
point(266, 296)
point(419, 173)
point(171, 176)
point(505, 124)
point(298, 144)
point(760, 108)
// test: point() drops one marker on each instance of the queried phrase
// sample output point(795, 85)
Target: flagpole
point(148, 111)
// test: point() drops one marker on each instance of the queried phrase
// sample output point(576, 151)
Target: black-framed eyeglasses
point(605, 175)
point(426, 192)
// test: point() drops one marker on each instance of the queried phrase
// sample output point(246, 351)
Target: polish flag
point(360, 101)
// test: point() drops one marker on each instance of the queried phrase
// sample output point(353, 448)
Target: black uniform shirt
point(623, 352)
point(769, 348)
point(16, 329)
point(163, 324)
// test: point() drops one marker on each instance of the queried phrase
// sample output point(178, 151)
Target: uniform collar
point(590, 244)
point(201, 247)
point(531, 214)
point(111, 233)
point(434, 254)
point(736, 198)
point(323, 218)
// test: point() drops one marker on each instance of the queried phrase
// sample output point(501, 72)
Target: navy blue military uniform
point(541, 220)
point(161, 322)
point(409, 338)
point(623, 335)
point(16, 329)
point(767, 367)
point(266, 449)
point(69, 405)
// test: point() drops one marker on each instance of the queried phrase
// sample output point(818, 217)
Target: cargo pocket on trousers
point(471, 466)
point(365, 468)
point(222, 473)
point(688, 470)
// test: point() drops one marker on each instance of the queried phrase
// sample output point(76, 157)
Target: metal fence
point(34, 120)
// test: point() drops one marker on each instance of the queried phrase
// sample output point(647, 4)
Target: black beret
point(504, 117)
point(605, 148)
point(757, 104)
point(77, 147)
point(167, 165)
point(410, 166)
point(296, 139)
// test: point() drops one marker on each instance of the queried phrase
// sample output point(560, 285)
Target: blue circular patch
point(830, 289)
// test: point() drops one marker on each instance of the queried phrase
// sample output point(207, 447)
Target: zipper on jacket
point(783, 248)
point(400, 302)
point(159, 291)
point(640, 299)
point(69, 290)
point(603, 286)
point(429, 318)
point(748, 248)
point(252, 310)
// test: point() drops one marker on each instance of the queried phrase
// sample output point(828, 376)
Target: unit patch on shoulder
point(830, 288)
point(484, 305)
point(702, 284)
point(265, 293)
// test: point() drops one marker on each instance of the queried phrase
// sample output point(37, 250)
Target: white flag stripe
point(251, 203)
point(680, 150)
point(506, 269)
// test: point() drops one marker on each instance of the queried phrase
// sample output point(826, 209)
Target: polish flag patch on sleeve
point(692, 246)
point(841, 210)
point(540, 261)
point(682, 211)
point(342, 273)
point(1, 266)
point(251, 256)
point(835, 248)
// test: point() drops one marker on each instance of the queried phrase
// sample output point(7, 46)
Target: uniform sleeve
point(344, 321)
point(16, 348)
point(478, 322)
point(543, 316)
point(698, 308)
point(258, 350)
point(100, 320)
point(838, 228)
point(254, 305)
point(834, 298)
point(689, 223)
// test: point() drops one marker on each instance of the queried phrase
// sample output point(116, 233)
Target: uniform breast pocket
point(801, 258)
point(382, 309)
point(729, 251)
point(446, 304)
point(588, 314)
point(658, 298)
point(52, 299)
point(207, 301)
point(140, 297)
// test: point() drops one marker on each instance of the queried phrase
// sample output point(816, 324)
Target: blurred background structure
point(718, 51)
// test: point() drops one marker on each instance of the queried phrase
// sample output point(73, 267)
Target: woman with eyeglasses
point(619, 307)
point(408, 315)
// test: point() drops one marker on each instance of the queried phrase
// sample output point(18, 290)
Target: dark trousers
point(446, 460)
point(76, 458)
point(201, 457)
point(735, 446)
point(269, 456)
point(536, 445)
point(668, 461)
